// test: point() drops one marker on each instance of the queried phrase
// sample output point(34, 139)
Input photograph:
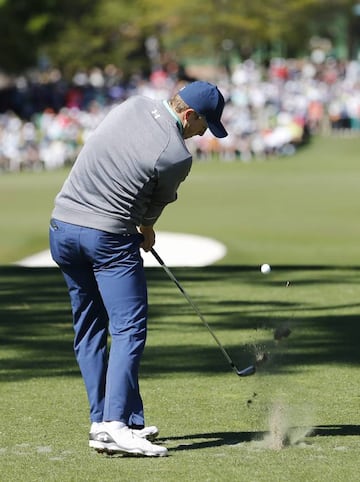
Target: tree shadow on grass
point(35, 325)
point(219, 439)
point(36, 332)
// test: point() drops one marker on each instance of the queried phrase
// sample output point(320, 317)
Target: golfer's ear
point(188, 113)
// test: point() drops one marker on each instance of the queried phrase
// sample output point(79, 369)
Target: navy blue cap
point(207, 100)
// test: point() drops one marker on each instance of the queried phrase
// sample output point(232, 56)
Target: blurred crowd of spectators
point(45, 120)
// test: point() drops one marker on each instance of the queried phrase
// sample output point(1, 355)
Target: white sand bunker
point(175, 249)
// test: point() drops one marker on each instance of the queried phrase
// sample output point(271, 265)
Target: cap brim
point(217, 129)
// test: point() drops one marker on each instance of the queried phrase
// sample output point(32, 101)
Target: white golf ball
point(265, 268)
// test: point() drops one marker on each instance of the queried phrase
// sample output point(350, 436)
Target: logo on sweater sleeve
point(155, 113)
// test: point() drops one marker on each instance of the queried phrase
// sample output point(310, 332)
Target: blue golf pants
point(106, 282)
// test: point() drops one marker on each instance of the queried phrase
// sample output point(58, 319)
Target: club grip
point(157, 257)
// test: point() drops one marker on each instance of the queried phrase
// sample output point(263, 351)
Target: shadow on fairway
point(36, 332)
point(218, 439)
point(336, 430)
point(35, 325)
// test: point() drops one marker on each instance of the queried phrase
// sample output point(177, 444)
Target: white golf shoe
point(150, 433)
point(116, 437)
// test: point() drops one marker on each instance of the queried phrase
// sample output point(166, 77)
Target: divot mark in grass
point(43, 450)
point(280, 434)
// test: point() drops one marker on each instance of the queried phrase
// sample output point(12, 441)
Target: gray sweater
point(128, 170)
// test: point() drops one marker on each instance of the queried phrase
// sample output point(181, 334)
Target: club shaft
point(194, 306)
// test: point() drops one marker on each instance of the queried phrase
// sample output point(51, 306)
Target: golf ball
point(265, 268)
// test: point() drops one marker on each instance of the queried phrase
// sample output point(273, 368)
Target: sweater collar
point(175, 116)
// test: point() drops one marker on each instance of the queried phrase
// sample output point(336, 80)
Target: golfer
point(126, 173)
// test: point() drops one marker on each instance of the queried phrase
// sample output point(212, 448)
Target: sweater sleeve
point(169, 176)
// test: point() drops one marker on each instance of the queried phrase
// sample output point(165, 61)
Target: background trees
point(73, 34)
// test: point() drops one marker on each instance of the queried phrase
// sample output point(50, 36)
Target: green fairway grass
point(300, 215)
point(292, 210)
point(217, 426)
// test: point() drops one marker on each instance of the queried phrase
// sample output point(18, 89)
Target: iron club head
point(246, 372)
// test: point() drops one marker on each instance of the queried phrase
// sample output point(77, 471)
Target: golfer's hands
point(149, 237)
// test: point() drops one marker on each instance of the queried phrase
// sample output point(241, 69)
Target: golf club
point(245, 372)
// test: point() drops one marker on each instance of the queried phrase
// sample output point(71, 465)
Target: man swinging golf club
point(126, 173)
